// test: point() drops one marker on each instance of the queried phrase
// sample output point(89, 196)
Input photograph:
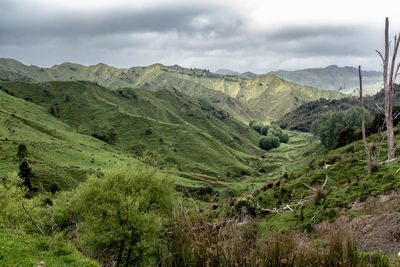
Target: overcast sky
point(241, 35)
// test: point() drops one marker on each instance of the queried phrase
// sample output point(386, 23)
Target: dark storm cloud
point(161, 19)
point(311, 31)
point(190, 34)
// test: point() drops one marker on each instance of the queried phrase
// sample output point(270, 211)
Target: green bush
point(284, 138)
point(275, 130)
point(258, 126)
point(332, 124)
point(22, 151)
point(269, 142)
point(25, 172)
point(254, 121)
point(264, 130)
point(120, 215)
point(11, 195)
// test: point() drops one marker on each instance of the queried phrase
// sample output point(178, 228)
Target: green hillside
point(189, 133)
point(21, 249)
point(266, 97)
point(59, 156)
point(300, 119)
point(270, 96)
point(344, 79)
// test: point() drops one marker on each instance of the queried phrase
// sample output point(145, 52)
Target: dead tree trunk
point(388, 81)
point(364, 136)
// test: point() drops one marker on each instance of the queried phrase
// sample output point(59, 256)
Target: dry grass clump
point(193, 241)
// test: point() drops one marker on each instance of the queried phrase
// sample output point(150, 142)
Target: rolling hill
point(189, 133)
point(344, 79)
point(265, 97)
point(300, 119)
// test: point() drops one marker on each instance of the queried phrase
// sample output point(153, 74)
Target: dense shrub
point(25, 172)
point(331, 124)
point(22, 151)
point(11, 195)
point(275, 130)
point(269, 142)
point(347, 136)
point(109, 137)
point(6, 91)
point(120, 214)
point(54, 110)
point(284, 138)
point(256, 125)
point(266, 130)
point(378, 123)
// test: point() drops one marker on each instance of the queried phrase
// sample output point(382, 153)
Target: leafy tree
point(254, 121)
point(331, 124)
point(269, 142)
point(110, 137)
point(25, 172)
point(259, 127)
point(275, 130)
point(264, 130)
point(284, 138)
point(22, 151)
point(119, 215)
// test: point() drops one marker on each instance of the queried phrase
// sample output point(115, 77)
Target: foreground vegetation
point(131, 192)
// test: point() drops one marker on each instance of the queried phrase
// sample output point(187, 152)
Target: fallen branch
point(326, 180)
point(313, 217)
point(387, 161)
point(309, 187)
point(287, 207)
point(33, 221)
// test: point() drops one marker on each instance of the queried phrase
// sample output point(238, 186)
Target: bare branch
point(380, 54)
point(380, 108)
point(326, 180)
point(309, 187)
point(33, 221)
point(397, 72)
point(393, 74)
point(313, 217)
point(364, 136)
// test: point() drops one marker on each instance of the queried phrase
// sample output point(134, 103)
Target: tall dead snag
point(364, 136)
point(388, 80)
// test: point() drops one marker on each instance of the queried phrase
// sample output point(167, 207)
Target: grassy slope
point(287, 158)
point(58, 154)
point(301, 118)
point(188, 132)
point(271, 97)
point(21, 249)
point(348, 181)
point(267, 95)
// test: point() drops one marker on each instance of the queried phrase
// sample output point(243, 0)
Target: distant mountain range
point(343, 79)
point(266, 97)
